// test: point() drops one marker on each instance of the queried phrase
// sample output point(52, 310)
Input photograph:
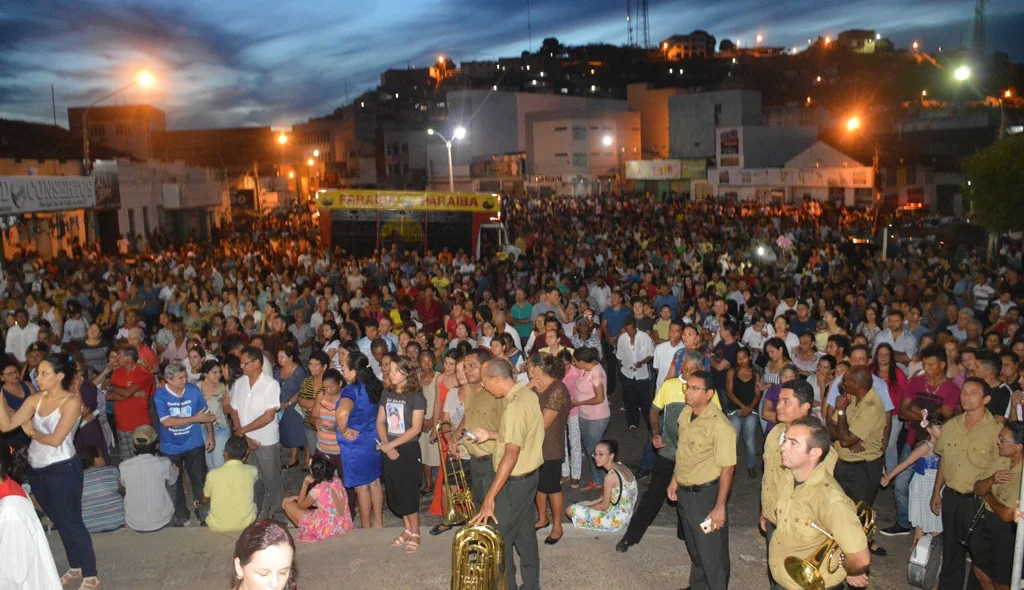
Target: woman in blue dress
point(290, 374)
point(356, 417)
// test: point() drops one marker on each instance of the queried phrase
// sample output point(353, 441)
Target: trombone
point(806, 572)
point(478, 552)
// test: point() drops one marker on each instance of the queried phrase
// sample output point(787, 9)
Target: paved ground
point(199, 559)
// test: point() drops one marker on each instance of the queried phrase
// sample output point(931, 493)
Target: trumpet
point(806, 572)
point(478, 552)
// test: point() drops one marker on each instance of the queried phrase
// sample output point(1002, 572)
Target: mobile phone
point(706, 526)
point(469, 436)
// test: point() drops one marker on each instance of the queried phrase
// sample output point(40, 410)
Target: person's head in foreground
point(263, 558)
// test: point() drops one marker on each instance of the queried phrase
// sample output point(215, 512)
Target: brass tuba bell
point(478, 552)
point(806, 572)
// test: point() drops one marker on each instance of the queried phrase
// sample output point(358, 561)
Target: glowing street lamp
point(459, 134)
point(915, 45)
point(962, 73)
point(309, 162)
point(282, 138)
point(853, 123)
point(759, 38)
point(1008, 93)
point(607, 140)
point(924, 93)
point(316, 153)
point(145, 79)
point(291, 174)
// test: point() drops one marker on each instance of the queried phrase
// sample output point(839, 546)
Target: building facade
point(693, 119)
point(128, 129)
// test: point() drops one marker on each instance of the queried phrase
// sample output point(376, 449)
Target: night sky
point(229, 63)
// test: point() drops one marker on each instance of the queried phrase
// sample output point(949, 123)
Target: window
point(579, 159)
point(561, 129)
point(405, 168)
point(718, 114)
point(122, 129)
point(912, 174)
point(562, 155)
point(145, 221)
point(131, 221)
point(579, 132)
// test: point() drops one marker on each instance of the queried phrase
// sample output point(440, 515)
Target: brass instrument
point(806, 572)
point(478, 552)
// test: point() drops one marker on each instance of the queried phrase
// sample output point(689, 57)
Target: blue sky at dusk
point(231, 63)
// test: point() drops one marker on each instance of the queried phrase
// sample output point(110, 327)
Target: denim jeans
point(747, 427)
point(892, 451)
point(215, 458)
point(901, 491)
point(591, 433)
point(58, 488)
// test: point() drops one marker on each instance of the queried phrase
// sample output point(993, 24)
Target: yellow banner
point(414, 200)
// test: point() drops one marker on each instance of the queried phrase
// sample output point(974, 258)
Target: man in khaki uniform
point(705, 463)
point(483, 410)
point(860, 428)
point(518, 454)
point(794, 403)
point(968, 445)
point(808, 494)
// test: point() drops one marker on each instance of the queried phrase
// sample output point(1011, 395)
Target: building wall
point(143, 205)
point(652, 104)
point(46, 244)
point(574, 145)
point(694, 117)
point(127, 129)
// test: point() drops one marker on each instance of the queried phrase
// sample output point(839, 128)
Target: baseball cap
point(37, 347)
point(144, 435)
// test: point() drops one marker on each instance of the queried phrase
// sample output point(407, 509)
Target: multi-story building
point(652, 104)
point(696, 44)
point(694, 118)
point(127, 129)
point(232, 151)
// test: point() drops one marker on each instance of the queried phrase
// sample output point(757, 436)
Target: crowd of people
point(716, 328)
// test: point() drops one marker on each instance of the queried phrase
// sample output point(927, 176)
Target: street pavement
point(195, 558)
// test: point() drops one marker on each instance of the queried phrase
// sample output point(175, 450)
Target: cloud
point(259, 62)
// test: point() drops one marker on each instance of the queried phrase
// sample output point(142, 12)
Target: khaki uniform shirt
point(774, 471)
point(1006, 493)
point(483, 410)
point(968, 454)
point(522, 424)
point(707, 444)
point(819, 500)
point(867, 420)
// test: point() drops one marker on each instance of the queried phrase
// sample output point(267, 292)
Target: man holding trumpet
point(813, 510)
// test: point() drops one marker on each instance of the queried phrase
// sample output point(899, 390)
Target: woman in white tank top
point(56, 471)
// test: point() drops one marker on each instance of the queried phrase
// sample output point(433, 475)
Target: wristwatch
point(841, 413)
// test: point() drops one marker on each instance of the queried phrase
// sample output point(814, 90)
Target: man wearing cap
point(145, 478)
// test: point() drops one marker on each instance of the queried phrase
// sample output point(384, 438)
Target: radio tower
point(644, 26)
point(978, 42)
point(629, 23)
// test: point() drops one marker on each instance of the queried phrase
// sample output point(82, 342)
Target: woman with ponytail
point(356, 424)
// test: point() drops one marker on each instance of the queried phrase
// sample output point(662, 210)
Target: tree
point(726, 45)
point(551, 47)
point(995, 186)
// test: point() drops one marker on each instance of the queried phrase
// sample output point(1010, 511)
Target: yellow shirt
point(867, 419)
point(230, 489)
point(819, 500)
point(707, 444)
point(522, 424)
point(774, 471)
point(968, 454)
point(483, 410)
point(1007, 493)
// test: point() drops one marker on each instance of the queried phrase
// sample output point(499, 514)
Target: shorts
point(550, 481)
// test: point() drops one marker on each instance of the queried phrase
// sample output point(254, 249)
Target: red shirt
point(431, 315)
point(9, 487)
point(132, 412)
point(454, 322)
point(148, 359)
point(917, 391)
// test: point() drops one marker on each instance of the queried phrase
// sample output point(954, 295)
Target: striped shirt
point(326, 434)
point(102, 505)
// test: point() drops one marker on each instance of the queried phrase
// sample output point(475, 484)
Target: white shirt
point(629, 353)
point(663, 355)
point(252, 402)
point(876, 382)
point(515, 335)
point(754, 340)
point(904, 343)
point(19, 339)
point(600, 297)
point(24, 550)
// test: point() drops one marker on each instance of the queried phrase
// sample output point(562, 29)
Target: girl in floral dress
point(320, 511)
point(613, 510)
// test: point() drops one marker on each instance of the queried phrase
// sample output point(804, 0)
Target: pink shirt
point(572, 376)
point(585, 391)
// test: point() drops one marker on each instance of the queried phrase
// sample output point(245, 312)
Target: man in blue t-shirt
point(611, 327)
point(183, 414)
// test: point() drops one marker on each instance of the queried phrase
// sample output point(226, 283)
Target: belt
point(698, 487)
point(962, 494)
point(858, 462)
point(482, 458)
point(521, 477)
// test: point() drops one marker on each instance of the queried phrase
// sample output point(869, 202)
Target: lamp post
point(143, 79)
point(963, 74)
point(853, 125)
point(459, 133)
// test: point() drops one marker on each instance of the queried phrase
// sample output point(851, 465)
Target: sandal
point(412, 546)
point(575, 484)
point(402, 539)
point(72, 575)
point(441, 528)
point(90, 583)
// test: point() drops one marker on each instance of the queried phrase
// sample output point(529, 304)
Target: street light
point(316, 153)
point(309, 162)
point(143, 79)
point(853, 123)
point(760, 38)
point(607, 140)
point(459, 133)
point(282, 138)
point(962, 73)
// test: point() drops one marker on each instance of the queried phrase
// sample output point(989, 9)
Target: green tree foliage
point(996, 189)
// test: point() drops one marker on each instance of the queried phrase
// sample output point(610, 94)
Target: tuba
point(806, 572)
point(478, 552)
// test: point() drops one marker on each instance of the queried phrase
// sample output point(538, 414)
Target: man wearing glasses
point(705, 463)
point(255, 399)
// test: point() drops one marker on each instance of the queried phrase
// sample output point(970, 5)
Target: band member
point(860, 428)
point(705, 463)
point(968, 445)
point(482, 411)
point(993, 538)
point(808, 494)
point(518, 454)
point(671, 399)
point(795, 399)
